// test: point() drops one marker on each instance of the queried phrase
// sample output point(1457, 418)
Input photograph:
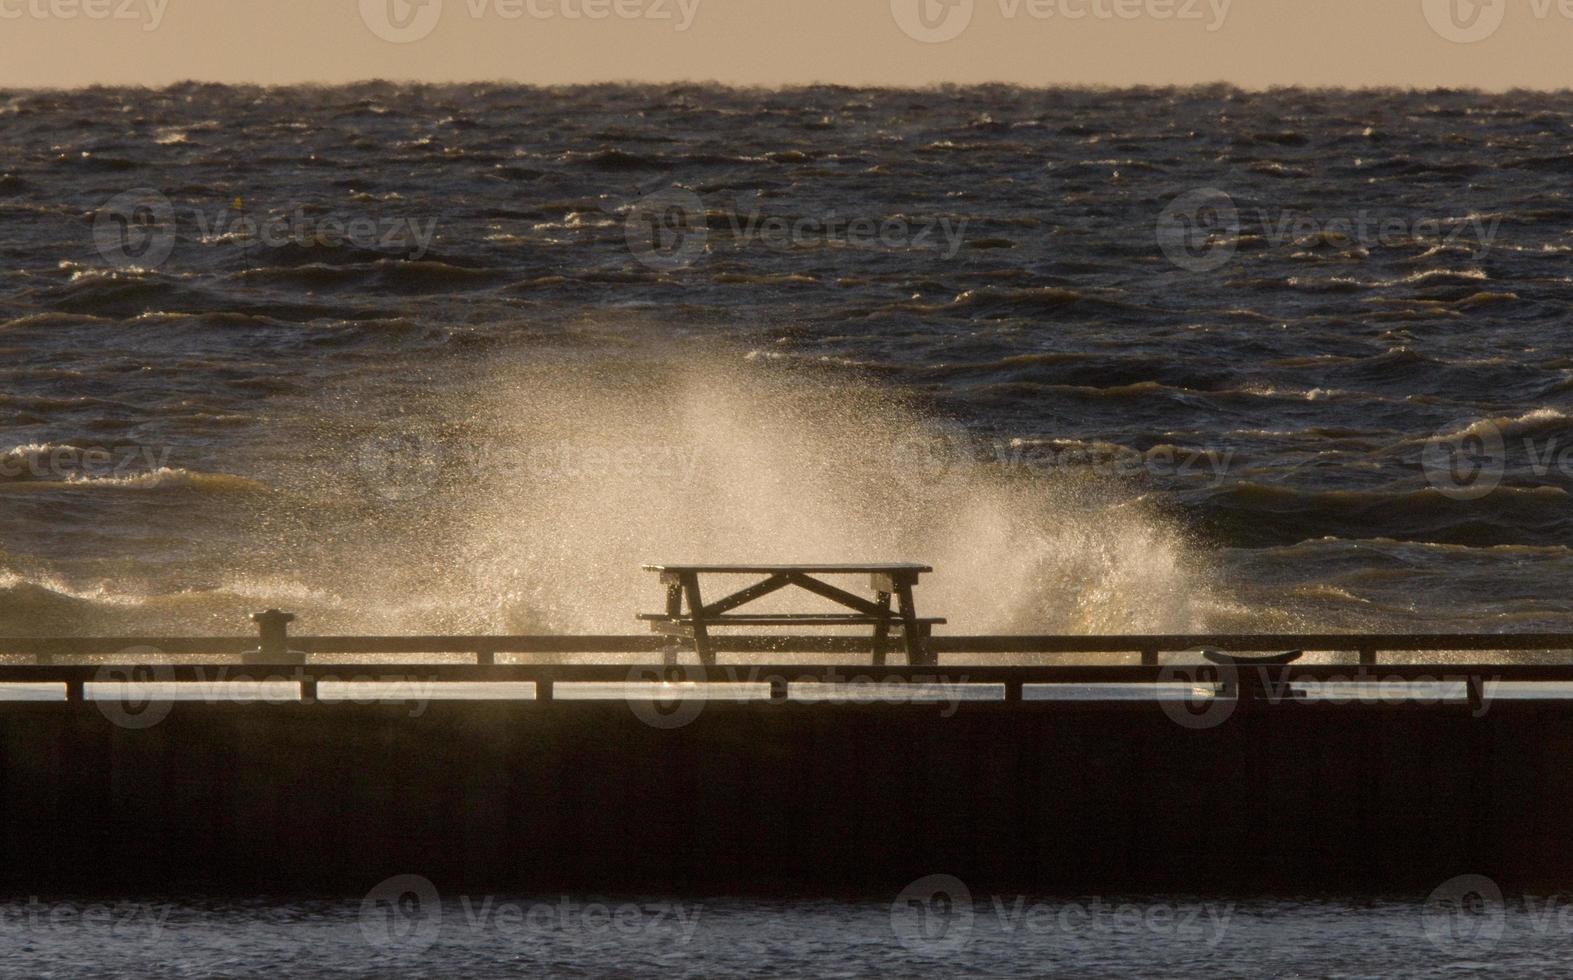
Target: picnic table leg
point(916, 655)
point(881, 628)
point(696, 607)
point(674, 609)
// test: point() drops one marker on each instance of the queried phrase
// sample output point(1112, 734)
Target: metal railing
point(275, 646)
point(312, 661)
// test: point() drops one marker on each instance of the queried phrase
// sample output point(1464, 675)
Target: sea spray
point(522, 497)
point(718, 460)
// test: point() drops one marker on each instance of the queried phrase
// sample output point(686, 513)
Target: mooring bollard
point(274, 627)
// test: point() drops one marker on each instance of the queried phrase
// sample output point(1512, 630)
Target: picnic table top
point(833, 569)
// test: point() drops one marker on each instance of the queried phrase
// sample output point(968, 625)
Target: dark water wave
point(1319, 358)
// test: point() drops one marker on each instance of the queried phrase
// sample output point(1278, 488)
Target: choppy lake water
point(461, 357)
point(644, 936)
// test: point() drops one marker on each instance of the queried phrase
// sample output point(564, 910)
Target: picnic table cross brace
point(889, 582)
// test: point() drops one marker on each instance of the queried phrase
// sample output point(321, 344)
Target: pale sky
point(1456, 43)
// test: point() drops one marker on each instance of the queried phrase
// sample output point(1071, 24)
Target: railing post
point(1475, 691)
point(273, 626)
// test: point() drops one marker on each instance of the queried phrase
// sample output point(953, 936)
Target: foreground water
point(644, 936)
point(433, 358)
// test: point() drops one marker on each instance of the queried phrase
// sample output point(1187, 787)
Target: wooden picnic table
point(886, 580)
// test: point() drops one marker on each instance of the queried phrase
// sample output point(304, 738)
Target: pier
point(273, 760)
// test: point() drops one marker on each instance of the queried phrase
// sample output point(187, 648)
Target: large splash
point(523, 498)
point(561, 481)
